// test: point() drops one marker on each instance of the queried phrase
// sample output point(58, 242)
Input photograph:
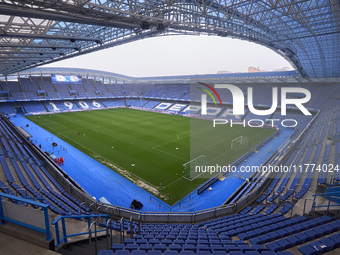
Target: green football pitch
point(150, 148)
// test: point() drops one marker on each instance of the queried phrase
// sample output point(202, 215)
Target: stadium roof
point(233, 78)
point(33, 33)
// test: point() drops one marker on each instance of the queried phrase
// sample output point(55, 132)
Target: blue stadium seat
point(158, 252)
point(190, 242)
point(105, 252)
point(202, 247)
point(131, 247)
point(171, 253)
point(231, 247)
point(336, 239)
point(159, 237)
point(148, 237)
point(329, 243)
point(255, 240)
point(187, 253)
point(252, 253)
point(138, 252)
point(310, 234)
point(154, 241)
point(293, 240)
point(327, 229)
point(203, 253)
point(264, 239)
point(284, 244)
point(145, 247)
point(201, 241)
point(141, 241)
point(189, 247)
point(180, 242)
point(160, 247)
point(175, 247)
point(217, 247)
point(166, 242)
point(268, 253)
point(273, 246)
point(121, 252)
point(129, 241)
point(308, 250)
point(236, 253)
point(245, 247)
point(239, 242)
point(259, 248)
point(117, 246)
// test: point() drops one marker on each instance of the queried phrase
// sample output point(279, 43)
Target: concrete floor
point(10, 245)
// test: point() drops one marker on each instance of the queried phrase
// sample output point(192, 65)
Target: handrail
point(304, 206)
point(329, 201)
point(264, 194)
point(65, 235)
point(80, 208)
point(131, 227)
point(17, 191)
point(94, 203)
point(332, 179)
point(43, 206)
point(108, 223)
point(90, 236)
point(328, 193)
point(121, 233)
point(139, 220)
point(3, 188)
point(160, 202)
point(291, 209)
point(278, 197)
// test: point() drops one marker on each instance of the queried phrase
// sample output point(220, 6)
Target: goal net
point(191, 169)
point(239, 143)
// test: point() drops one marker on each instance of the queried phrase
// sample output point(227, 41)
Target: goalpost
point(239, 143)
point(189, 169)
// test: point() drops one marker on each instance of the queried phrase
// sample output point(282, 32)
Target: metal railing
point(335, 195)
point(44, 208)
point(65, 235)
point(108, 224)
point(95, 237)
point(121, 230)
point(304, 206)
point(331, 183)
point(329, 202)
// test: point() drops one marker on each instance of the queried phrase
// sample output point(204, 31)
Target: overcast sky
point(179, 55)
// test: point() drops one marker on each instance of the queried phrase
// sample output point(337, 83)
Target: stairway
point(82, 247)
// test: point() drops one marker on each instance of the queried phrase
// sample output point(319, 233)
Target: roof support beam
point(49, 37)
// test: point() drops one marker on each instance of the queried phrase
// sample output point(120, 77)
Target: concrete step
point(66, 252)
point(78, 250)
point(82, 247)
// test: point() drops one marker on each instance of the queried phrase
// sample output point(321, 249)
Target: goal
point(190, 169)
point(239, 143)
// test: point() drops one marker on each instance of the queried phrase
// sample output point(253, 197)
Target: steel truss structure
point(36, 32)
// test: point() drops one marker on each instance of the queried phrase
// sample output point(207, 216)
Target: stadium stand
point(28, 177)
point(261, 226)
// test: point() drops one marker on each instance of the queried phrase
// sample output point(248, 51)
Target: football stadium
point(98, 162)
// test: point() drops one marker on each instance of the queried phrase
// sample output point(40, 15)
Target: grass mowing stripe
point(117, 167)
